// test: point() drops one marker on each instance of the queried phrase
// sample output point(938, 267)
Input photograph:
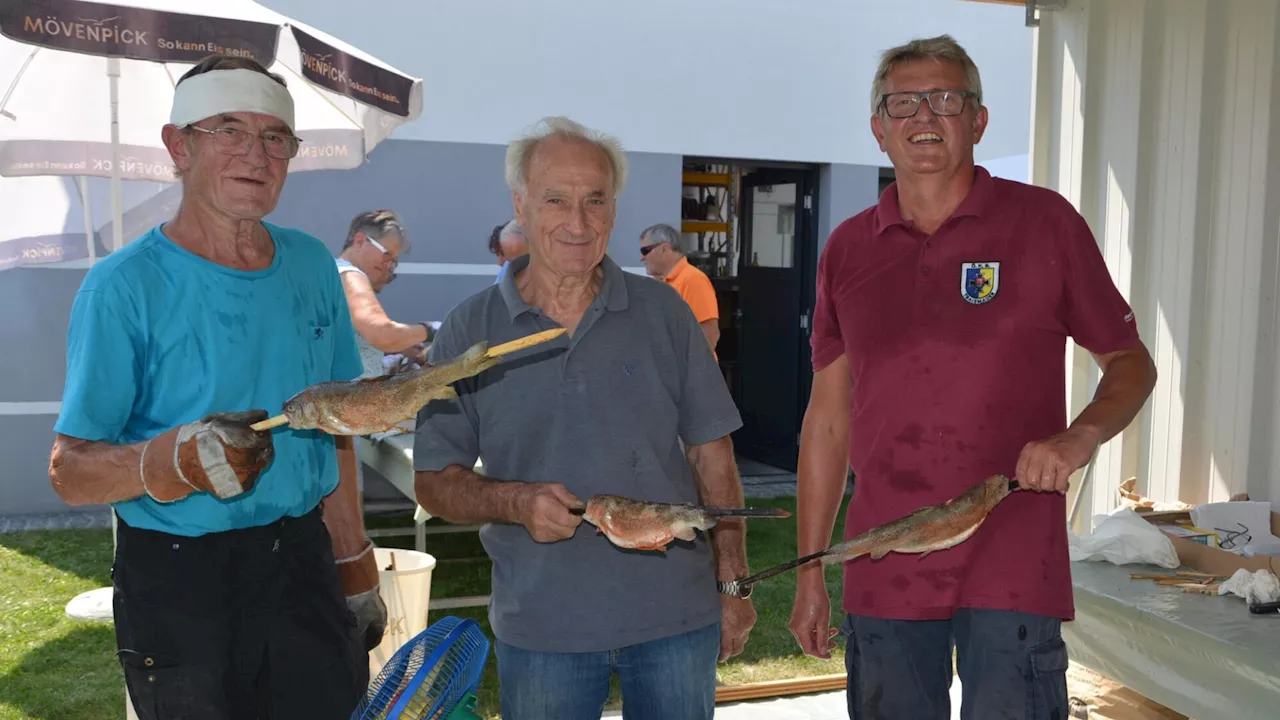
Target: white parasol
point(87, 87)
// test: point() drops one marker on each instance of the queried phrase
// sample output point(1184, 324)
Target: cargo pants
point(1011, 666)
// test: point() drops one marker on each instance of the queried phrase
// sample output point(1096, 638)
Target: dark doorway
point(777, 269)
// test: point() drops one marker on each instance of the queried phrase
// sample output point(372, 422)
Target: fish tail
point(475, 352)
point(746, 512)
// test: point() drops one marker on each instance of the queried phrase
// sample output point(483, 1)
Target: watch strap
point(733, 589)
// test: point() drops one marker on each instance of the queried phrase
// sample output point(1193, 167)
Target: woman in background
point(367, 264)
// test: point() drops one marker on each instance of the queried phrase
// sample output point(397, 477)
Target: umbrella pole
point(117, 211)
point(82, 183)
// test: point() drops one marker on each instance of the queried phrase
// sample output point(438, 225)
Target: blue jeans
point(672, 678)
point(1011, 665)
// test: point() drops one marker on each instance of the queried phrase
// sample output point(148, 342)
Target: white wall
point(768, 79)
point(1157, 119)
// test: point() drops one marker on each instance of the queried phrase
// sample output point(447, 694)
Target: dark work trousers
point(1012, 666)
point(239, 625)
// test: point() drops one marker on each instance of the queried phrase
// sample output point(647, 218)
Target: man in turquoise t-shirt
point(245, 584)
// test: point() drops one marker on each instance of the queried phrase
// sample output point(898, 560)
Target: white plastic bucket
point(407, 592)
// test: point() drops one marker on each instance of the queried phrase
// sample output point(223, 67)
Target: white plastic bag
point(1255, 587)
point(1124, 538)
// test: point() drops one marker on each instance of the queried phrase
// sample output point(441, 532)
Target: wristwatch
point(431, 333)
point(732, 589)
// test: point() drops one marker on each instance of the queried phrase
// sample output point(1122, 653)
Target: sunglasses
point(646, 249)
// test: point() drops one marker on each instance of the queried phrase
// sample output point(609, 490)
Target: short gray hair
point(943, 47)
point(377, 224)
point(664, 233)
point(520, 151)
point(511, 229)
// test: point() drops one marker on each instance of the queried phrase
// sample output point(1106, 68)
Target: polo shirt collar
point(889, 213)
point(613, 288)
point(678, 268)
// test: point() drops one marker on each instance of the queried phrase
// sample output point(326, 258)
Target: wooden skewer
point(524, 342)
point(1198, 588)
point(1180, 576)
point(493, 352)
point(269, 423)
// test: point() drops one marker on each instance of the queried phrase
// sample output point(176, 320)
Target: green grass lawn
point(54, 668)
point(51, 667)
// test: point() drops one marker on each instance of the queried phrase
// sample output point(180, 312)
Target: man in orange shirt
point(665, 260)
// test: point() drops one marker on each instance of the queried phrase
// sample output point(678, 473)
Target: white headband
point(227, 91)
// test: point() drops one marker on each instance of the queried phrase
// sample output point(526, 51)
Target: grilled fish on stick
point(378, 404)
point(641, 525)
point(935, 527)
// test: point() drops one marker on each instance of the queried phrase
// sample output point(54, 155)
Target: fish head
point(995, 489)
point(302, 411)
point(599, 507)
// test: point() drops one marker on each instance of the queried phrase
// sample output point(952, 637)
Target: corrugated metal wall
point(1156, 118)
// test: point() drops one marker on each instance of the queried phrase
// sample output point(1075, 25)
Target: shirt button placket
point(923, 286)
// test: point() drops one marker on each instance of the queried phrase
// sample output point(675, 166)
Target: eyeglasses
point(395, 262)
point(941, 102)
point(1229, 538)
point(233, 141)
point(646, 249)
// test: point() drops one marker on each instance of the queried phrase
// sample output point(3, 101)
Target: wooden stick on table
point(493, 352)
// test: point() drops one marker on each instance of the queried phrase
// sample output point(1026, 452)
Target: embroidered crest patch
point(979, 281)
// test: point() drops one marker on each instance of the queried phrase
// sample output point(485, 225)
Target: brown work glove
point(218, 454)
point(359, 576)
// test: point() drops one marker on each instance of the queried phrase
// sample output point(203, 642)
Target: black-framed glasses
point(1229, 539)
point(942, 102)
point(646, 249)
point(234, 141)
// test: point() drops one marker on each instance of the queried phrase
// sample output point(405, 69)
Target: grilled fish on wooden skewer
point(375, 405)
point(935, 527)
point(642, 525)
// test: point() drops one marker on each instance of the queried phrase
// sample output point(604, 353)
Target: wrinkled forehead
point(921, 74)
point(570, 162)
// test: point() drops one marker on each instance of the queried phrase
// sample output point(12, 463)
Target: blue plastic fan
point(434, 676)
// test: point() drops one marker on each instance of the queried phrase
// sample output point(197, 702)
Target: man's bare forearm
point(821, 477)
point(1126, 383)
point(83, 472)
point(716, 473)
point(823, 469)
point(711, 328)
point(461, 496)
point(342, 512)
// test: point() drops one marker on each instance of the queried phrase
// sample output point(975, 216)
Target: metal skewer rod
point(742, 586)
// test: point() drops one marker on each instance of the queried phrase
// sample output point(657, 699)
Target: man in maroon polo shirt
point(938, 345)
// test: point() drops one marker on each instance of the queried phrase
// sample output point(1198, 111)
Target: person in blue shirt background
point(245, 584)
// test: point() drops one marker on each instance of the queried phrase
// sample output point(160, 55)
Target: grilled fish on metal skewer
point(935, 527)
point(642, 525)
point(379, 404)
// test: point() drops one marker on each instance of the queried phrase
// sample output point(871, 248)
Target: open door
point(777, 272)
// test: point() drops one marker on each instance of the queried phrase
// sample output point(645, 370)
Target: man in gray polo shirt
point(601, 409)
